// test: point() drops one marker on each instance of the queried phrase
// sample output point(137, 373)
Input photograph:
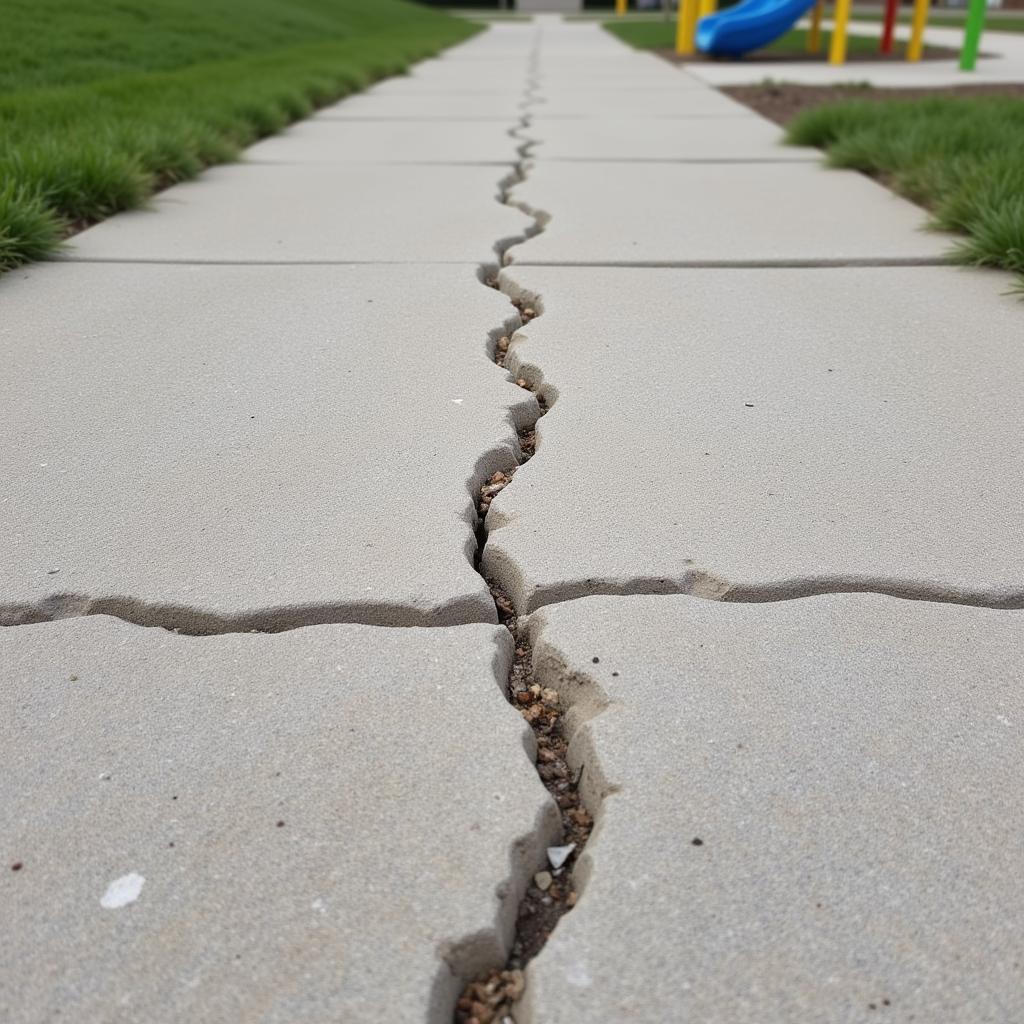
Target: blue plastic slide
point(749, 25)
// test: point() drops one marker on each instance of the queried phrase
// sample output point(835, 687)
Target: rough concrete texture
point(726, 213)
point(235, 214)
point(785, 432)
point(397, 142)
point(643, 138)
point(810, 812)
point(276, 828)
point(248, 446)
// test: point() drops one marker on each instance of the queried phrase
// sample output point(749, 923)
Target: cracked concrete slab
point(786, 432)
point(805, 811)
point(334, 213)
point(722, 213)
point(251, 827)
point(643, 138)
point(396, 142)
point(196, 446)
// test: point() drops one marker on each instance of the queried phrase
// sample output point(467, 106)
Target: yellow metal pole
point(706, 7)
point(837, 49)
point(916, 45)
point(620, 6)
point(814, 36)
point(686, 27)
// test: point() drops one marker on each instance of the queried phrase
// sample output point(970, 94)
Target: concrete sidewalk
point(743, 492)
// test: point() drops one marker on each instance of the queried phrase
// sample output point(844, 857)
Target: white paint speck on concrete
point(122, 891)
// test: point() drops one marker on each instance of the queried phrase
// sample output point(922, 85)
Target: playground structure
point(753, 24)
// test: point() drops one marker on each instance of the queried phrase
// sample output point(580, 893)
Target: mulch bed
point(781, 102)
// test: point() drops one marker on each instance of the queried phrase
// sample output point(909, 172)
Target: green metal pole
point(972, 35)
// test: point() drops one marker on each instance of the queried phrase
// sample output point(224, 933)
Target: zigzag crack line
point(555, 711)
point(546, 888)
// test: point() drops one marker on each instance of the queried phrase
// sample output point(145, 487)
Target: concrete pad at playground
point(601, 214)
point(436, 213)
point(784, 433)
point(202, 446)
point(394, 142)
point(258, 827)
point(805, 811)
point(650, 138)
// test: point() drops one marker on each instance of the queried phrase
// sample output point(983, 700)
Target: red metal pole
point(891, 7)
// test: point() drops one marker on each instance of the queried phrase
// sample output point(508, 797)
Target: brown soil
point(781, 102)
point(769, 57)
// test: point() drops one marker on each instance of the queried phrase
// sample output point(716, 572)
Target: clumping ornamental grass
point(961, 157)
point(102, 103)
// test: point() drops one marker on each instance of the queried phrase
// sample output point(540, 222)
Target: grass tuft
point(961, 157)
point(29, 229)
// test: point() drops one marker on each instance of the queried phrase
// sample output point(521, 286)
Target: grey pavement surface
point(278, 828)
point(781, 430)
point(267, 403)
point(722, 213)
point(851, 766)
point(249, 445)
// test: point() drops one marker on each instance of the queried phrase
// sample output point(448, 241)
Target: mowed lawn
point(950, 19)
point(103, 101)
point(661, 35)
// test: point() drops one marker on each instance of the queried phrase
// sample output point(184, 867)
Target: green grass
point(661, 35)
point(962, 157)
point(103, 101)
point(951, 19)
